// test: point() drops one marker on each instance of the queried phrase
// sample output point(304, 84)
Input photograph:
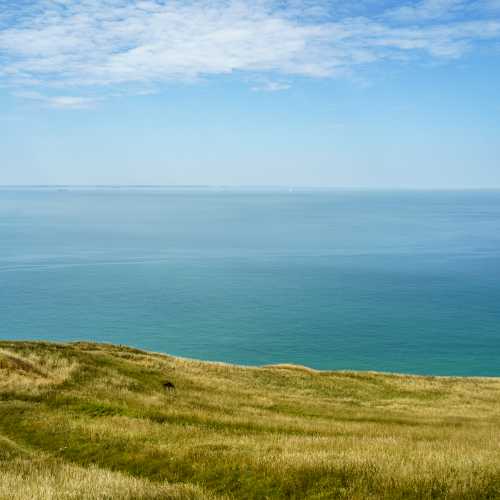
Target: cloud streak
point(58, 101)
point(270, 86)
point(427, 10)
point(78, 44)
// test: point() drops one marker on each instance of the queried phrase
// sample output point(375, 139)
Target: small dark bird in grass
point(169, 386)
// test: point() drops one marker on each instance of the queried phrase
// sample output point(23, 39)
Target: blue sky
point(397, 94)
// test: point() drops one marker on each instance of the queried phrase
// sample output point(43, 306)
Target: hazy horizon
point(251, 186)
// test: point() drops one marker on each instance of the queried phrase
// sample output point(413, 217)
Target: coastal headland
point(85, 420)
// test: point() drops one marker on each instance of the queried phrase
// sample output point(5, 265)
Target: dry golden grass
point(40, 479)
point(32, 370)
point(71, 414)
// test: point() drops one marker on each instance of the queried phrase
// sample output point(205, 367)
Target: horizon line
point(247, 186)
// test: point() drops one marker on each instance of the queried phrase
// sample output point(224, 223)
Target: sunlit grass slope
point(95, 421)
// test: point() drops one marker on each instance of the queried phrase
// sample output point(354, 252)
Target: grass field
point(94, 421)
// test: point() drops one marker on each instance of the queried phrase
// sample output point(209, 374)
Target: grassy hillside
point(95, 421)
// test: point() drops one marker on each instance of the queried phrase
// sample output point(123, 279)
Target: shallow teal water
point(393, 281)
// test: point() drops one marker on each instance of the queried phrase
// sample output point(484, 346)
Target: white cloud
point(123, 44)
point(270, 86)
point(58, 101)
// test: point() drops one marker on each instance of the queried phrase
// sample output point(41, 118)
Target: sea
point(393, 281)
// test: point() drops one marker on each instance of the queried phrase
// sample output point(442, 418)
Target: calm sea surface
point(393, 281)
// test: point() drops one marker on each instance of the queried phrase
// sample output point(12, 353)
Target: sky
point(316, 93)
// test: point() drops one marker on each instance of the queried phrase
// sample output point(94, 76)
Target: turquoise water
point(393, 281)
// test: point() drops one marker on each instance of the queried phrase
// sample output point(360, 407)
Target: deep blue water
point(393, 281)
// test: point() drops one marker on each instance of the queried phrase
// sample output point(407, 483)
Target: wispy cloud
point(492, 5)
point(58, 101)
point(426, 10)
point(270, 86)
point(118, 44)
